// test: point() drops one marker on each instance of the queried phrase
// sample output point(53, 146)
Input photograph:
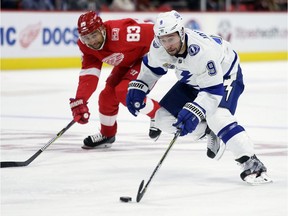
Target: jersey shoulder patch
point(193, 49)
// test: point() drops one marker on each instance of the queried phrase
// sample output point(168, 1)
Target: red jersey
point(126, 42)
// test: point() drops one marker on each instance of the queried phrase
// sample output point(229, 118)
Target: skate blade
point(254, 180)
point(156, 138)
point(102, 146)
point(221, 151)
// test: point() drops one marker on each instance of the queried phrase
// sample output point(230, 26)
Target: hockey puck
point(125, 199)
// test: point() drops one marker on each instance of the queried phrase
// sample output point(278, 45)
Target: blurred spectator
point(265, 5)
point(37, 5)
point(155, 5)
point(74, 5)
point(258, 5)
point(122, 5)
point(145, 5)
point(81, 5)
point(211, 5)
point(282, 4)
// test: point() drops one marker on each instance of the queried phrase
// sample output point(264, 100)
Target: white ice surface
point(68, 181)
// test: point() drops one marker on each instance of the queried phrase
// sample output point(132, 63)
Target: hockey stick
point(27, 162)
point(141, 190)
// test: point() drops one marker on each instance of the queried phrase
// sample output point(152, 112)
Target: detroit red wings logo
point(114, 59)
point(29, 34)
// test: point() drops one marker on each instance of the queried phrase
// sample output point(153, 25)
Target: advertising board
point(48, 39)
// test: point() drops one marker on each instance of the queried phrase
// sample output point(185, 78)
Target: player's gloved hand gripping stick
point(79, 110)
point(189, 117)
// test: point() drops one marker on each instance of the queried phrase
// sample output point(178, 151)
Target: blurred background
point(42, 34)
point(147, 5)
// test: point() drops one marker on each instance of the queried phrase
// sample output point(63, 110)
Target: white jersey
point(204, 66)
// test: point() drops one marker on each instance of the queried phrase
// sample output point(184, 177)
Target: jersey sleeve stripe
point(215, 90)
point(90, 71)
point(232, 66)
point(157, 70)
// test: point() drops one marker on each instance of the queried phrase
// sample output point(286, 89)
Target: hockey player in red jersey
point(122, 44)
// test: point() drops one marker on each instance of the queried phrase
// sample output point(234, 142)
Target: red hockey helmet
point(89, 22)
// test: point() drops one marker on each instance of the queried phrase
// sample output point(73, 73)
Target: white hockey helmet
point(168, 23)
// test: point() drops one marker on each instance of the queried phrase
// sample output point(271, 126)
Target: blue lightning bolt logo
point(185, 76)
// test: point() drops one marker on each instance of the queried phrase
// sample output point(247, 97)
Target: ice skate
point(254, 171)
point(215, 148)
point(154, 132)
point(98, 141)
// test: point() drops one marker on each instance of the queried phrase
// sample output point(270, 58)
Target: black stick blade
point(27, 162)
point(6, 164)
point(140, 193)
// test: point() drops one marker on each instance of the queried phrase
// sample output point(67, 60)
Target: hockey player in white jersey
point(209, 85)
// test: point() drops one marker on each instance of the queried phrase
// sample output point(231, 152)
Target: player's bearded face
point(171, 43)
point(94, 40)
